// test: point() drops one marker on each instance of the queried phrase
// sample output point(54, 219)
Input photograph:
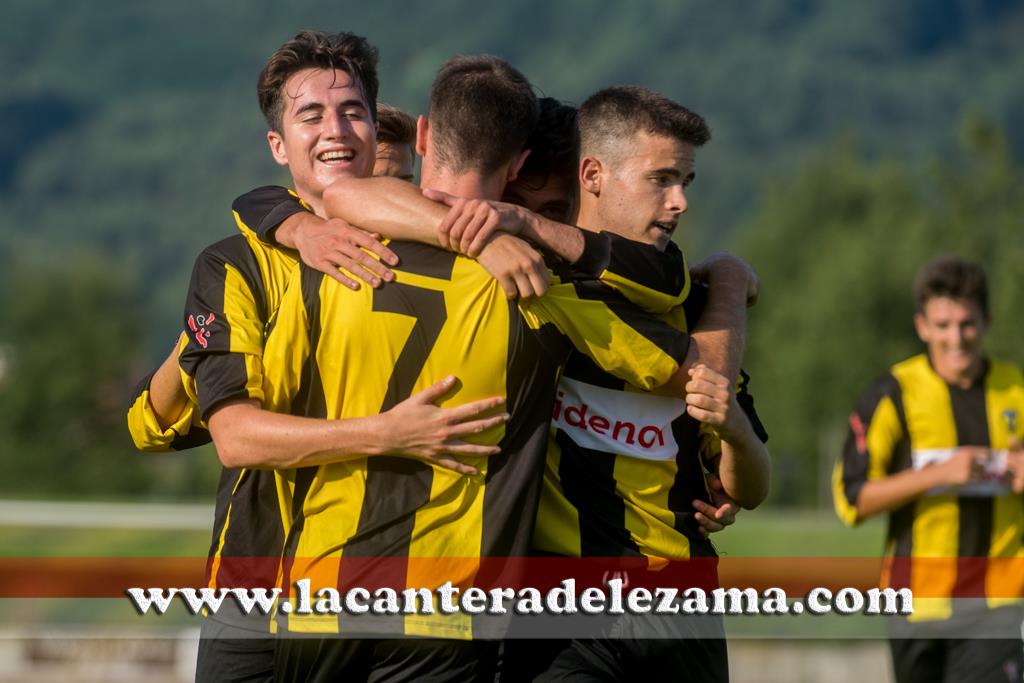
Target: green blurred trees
point(837, 246)
point(70, 354)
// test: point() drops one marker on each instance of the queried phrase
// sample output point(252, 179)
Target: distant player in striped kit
point(936, 443)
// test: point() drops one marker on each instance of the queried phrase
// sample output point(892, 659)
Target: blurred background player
point(396, 143)
point(936, 444)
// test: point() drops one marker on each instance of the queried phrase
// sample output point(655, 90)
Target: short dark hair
point(614, 115)
point(481, 111)
point(317, 50)
point(553, 144)
point(394, 126)
point(953, 277)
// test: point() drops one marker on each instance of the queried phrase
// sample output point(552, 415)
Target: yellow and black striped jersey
point(947, 543)
point(185, 432)
point(236, 286)
point(623, 466)
point(334, 353)
point(656, 281)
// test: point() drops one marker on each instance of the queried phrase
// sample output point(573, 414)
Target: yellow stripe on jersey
point(926, 404)
point(372, 348)
point(613, 344)
point(940, 527)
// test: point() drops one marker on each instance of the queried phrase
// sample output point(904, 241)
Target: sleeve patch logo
point(198, 324)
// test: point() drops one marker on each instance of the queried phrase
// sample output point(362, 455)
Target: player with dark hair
point(397, 522)
point(396, 143)
point(313, 93)
point(936, 444)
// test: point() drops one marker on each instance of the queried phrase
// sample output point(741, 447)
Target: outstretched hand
point(418, 428)
point(332, 244)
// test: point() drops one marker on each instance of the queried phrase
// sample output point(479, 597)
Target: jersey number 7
point(427, 307)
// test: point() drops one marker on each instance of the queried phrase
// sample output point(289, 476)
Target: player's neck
point(963, 379)
point(588, 217)
point(471, 185)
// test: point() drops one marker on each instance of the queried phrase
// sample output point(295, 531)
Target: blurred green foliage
point(837, 246)
point(129, 127)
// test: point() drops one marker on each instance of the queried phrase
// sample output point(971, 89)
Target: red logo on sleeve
point(198, 323)
point(859, 433)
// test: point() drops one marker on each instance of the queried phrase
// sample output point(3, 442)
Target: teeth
point(339, 155)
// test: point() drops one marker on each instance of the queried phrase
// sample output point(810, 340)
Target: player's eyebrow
point(308, 106)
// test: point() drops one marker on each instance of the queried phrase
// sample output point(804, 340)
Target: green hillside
point(129, 127)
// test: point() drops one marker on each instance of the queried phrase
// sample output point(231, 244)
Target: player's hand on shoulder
point(418, 428)
point(711, 400)
point(518, 267)
point(726, 270)
point(332, 244)
point(471, 223)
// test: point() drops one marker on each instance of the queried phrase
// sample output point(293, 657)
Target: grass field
point(762, 533)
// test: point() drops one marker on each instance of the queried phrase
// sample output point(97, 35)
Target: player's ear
point(591, 172)
point(422, 134)
point(516, 165)
point(276, 142)
point(921, 326)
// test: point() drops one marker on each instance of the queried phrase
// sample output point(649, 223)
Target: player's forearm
point(719, 337)
point(745, 468)
point(562, 240)
point(392, 207)
point(166, 395)
point(893, 492)
point(248, 436)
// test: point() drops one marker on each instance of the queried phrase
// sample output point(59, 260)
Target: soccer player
point(317, 93)
point(936, 443)
point(396, 143)
point(442, 311)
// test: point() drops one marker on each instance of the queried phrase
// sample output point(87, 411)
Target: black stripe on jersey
point(310, 396)
point(423, 259)
point(901, 520)
point(141, 388)
point(856, 463)
point(581, 367)
point(309, 400)
point(746, 402)
point(689, 486)
point(262, 210)
point(534, 357)
point(254, 531)
point(220, 375)
point(644, 264)
point(588, 482)
point(386, 520)
point(225, 485)
point(673, 342)
point(975, 529)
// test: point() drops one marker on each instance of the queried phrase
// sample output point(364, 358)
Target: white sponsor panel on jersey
point(991, 483)
point(634, 424)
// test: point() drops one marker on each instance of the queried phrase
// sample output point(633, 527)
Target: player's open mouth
point(336, 156)
point(665, 226)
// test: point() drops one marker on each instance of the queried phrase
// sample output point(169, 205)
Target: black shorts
point(659, 647)
point(228, 654)
point(318, 660)
point(959, 649)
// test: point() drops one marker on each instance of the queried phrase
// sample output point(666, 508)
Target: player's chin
point(659, 238)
